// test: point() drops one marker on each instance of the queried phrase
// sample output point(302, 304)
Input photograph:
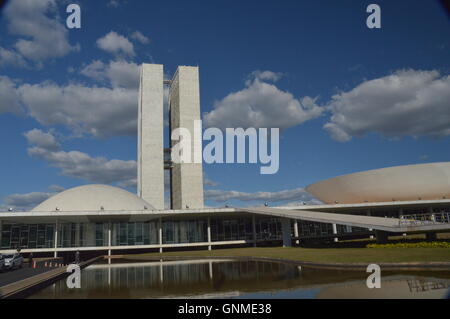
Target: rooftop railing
point(425, 219)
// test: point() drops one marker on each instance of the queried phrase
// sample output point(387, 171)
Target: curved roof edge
point(398, 183)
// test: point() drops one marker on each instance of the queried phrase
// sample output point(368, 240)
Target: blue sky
point(347, 98)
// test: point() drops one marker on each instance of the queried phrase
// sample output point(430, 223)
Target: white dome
point(400, 183)
point(93, 198)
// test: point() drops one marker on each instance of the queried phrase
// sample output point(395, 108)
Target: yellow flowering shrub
point(434, 244)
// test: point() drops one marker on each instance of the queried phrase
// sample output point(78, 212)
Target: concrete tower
point(151, 135)
point(186, 189)
point(186, 178)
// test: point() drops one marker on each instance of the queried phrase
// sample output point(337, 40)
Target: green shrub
point(435, 244)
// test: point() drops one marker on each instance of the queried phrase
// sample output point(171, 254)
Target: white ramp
point(378, 223)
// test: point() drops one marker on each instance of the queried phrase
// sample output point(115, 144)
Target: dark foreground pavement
point(10, 276)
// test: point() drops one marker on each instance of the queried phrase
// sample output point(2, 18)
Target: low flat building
point(106, 219)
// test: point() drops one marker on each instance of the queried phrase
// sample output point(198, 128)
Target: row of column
point(160, 236)
point(286, 230)
point(285, 224)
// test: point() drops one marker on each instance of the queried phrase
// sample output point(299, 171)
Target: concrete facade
point(151, 135)
point(110, 223)
point(186, 178)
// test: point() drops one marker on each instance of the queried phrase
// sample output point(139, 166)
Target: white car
point(2, 262)
point(13, 261)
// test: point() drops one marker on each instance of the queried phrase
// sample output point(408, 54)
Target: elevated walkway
point(395, 225)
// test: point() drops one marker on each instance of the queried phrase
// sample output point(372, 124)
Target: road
point(10, 276)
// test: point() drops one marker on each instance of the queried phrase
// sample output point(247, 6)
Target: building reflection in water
point(217, 278)
point(421, 285)
point(176, 279)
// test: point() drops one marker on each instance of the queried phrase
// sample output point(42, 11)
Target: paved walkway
point(10, 276)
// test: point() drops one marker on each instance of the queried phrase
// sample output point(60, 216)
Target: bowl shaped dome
point(400, 183)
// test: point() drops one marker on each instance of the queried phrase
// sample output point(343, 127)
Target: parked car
point(2, 262)
point(13, 261)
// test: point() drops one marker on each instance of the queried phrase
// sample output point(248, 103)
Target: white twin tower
point(185, 154)
point(186, 179)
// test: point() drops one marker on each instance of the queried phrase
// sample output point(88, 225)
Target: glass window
point(99, 234)
point(131, 234)
point(139, 234)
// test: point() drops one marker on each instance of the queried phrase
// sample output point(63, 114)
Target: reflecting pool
point(241, 279)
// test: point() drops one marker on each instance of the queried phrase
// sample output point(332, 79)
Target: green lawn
point(325, 255)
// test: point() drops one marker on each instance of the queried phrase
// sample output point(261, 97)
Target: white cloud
point(44, 35)
point(56, 188)
point(116, 44)
point(24, 202)
point(27, 201)
point(264, 76)
point(209, 182)
point(123, 74)
point(97, 111)
point(298, 194)
point(261, 104)
point(42, 140)
point(10, 57)
point(406, 103)
point(9, 100)
point(93, 169)
point(118, 73)
point(115, 3)
point(129, 183)
point(138, 36)
point(78, 164)
point(95, 70)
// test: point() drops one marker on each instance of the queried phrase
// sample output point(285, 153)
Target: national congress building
point(102, 219)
